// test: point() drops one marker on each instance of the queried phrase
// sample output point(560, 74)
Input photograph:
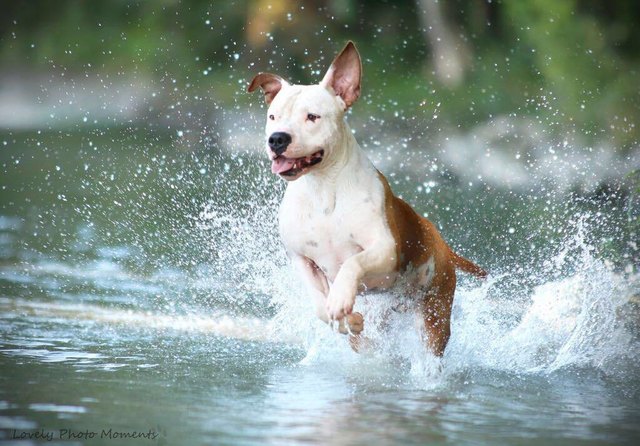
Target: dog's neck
point(341, 160)
point(338, 175)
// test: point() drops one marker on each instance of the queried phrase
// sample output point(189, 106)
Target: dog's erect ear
point(344, 74)
point(270, 84)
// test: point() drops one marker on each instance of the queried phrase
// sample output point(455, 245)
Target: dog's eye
point(272, 117)
point(312, 117)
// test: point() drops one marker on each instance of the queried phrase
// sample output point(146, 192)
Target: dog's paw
point(337, 308)
point(355, 323)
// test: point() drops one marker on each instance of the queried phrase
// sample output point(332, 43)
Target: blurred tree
point(578, 66)
point(573, 63)
point(449, 52)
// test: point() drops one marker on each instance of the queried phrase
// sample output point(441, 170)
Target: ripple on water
point(74, 356)
point(57, 408)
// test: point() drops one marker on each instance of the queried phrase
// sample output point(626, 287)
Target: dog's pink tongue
point(282, 164)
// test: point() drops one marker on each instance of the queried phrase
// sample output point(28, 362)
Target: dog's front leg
point(315, 281)
point(380, 258)
point(318, 287)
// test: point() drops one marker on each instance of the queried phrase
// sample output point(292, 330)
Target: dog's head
point(304, 122)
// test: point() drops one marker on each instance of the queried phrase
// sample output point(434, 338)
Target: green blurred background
point(570, 65)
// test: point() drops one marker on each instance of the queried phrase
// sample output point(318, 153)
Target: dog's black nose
point(279, 141)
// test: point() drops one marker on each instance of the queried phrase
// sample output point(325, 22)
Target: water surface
point(143, 290)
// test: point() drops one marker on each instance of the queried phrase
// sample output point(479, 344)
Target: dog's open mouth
point(291, 167)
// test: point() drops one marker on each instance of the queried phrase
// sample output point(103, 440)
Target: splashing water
point(573, 311)
point(579, 319)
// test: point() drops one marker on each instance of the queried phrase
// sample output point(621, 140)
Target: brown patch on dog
point(418, 240)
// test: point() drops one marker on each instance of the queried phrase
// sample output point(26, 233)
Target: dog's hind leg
point(436, 312)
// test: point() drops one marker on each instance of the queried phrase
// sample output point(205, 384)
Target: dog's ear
point(270, 84)
point(345, 74)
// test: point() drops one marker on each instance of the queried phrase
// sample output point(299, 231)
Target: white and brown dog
point(341, 225)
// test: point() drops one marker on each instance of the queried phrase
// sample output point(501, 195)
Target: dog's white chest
point(328, 227)
point(318, 240)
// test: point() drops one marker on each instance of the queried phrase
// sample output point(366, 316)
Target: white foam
point(579, 315)
point(245, 328)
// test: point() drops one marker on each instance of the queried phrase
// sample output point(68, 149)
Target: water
point(143, 289)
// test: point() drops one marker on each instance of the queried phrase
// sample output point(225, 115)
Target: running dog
point(341, 225)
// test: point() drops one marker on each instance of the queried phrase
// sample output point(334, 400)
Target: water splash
point(578, 313)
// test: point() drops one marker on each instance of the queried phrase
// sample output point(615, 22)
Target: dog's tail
point(467, 266)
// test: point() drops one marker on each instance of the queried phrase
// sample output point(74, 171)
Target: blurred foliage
point(571, 65)
point(623, 249)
